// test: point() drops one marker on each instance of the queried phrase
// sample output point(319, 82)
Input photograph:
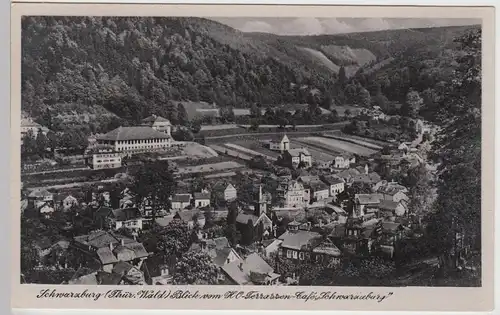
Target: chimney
point(111, 247)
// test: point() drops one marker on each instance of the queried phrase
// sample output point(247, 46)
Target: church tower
point(261, 204)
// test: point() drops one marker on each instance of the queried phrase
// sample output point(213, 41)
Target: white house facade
point(139, 139)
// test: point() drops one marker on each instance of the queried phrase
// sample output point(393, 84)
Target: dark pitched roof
point(370, 178)
point(338, 231)
point(181, 198)
point(103, 212)
point(122, 268)
point(240, 271)
point(39, 193)
point(199, 196)
point(133, 133)
point(298, 152)
point(318, 186)
point(127, 214)
point(327, 248)
point(221, 256)
point(129, 250)
point(106, 278)
point(308, 179)
point(298, 239)
point(153, 118)
point(235, 272)
point(391, 226)
point(366, 199)
point(188, 215)
point(106, 256)
point(244, 217)
point(332, 180)
point(388, 205)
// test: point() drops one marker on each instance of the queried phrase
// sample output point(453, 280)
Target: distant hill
point(130, 67)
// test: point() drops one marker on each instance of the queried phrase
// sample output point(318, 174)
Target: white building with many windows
point(139, 139)
point(102, 156)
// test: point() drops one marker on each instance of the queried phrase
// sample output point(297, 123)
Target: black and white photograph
point(251, 151)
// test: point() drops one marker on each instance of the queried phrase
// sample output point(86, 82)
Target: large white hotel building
point(152, 135)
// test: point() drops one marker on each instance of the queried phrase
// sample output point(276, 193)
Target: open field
point(241, 130)
point(318, 147)
point(196, 150)
point(287, 126)
point(74, 185)
point(340, 145)
point(357, 141)
point(219, 127)
point(214, 167)
point(258, 146)
point(317, 154)
point(231, 153)
point(249, 151)
point(363, 139)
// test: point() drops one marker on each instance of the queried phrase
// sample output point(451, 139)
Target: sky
point(316, 26)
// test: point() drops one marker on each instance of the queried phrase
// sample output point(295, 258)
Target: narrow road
point(56, 171)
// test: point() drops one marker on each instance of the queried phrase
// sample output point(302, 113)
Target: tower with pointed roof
point(285, 144)
point(261, 204)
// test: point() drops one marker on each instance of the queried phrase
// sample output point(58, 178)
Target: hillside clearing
point(321, 58)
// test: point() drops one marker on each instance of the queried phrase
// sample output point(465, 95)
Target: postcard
point(252, 157)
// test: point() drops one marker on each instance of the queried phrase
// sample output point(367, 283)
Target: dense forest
point(91, 74)
point(133, 66)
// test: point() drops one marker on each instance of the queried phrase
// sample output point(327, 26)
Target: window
point(294, 254)
point(288, 254)
point(301, 256)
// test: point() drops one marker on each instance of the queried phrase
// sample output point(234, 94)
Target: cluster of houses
point(376, 222)
point(303, 220)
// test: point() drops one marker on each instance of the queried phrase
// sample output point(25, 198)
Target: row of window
point(101, 166)
point(142, 141)
point(108, 160)
point(106, 155)
point(141, 148)
point(292, 254)
point(132, 223)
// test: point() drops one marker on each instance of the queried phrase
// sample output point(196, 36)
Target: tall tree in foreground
point(155, 182)
point(195, 268)
point(456, 221)
point(174, 239)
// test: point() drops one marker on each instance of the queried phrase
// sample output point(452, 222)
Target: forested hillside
point(135, 66)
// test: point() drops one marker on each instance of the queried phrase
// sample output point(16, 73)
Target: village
point(264, 214)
